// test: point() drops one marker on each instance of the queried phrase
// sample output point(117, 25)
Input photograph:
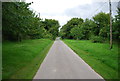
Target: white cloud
point(63, 10)
point(53, 6)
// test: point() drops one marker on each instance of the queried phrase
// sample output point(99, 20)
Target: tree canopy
point(74, 22)
point(96, 28)
point(19, 22)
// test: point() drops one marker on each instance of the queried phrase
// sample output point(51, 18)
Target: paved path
point(62, 63)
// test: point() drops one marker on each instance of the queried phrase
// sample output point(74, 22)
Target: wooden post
point(110, 25)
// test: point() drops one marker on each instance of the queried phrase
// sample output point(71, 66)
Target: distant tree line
point(19, 23)
point(96, 29)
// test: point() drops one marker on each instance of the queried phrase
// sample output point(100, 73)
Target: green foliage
point(104, 32)
point(52, 26)
point(96, 29)
point(76, 33)
point(66, 29)
point(19, 22)
point(97, 39)
point(116, 26)
point(86, 29)
point(102, 20)
point(15, 20)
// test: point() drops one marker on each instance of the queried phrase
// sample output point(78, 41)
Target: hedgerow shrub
point(97, 39)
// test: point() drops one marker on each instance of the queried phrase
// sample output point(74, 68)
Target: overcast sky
point(64, 10)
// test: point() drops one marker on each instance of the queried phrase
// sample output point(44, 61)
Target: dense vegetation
point(21, 60)
point(97, 29)
point(98, 56)
point(21, 55)
point(90, 42)
point(19, 22)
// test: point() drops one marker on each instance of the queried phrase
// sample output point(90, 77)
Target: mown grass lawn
point(98, 55)
point(21, 60)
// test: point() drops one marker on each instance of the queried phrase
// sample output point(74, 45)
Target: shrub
point(98, 39)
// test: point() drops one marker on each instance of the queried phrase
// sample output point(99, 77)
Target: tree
point(52, 26)
point(70, 24)
point(19, 22)
point(15, 17)
point(116, 26)
point(102, 21)
point(86, 28)
point(76, 33)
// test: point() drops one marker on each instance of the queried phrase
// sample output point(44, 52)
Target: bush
point(48, 35)
point(98, 39)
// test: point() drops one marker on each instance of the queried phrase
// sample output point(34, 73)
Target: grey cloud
point(119, 4)
point(89, 10)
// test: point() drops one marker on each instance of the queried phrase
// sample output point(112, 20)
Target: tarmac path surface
point(62, 62)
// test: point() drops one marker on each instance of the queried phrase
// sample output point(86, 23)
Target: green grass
point(21, 60)
point(98, 55)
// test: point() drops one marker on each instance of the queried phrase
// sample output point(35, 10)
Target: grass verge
point(98, 55)
point(21, 60)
